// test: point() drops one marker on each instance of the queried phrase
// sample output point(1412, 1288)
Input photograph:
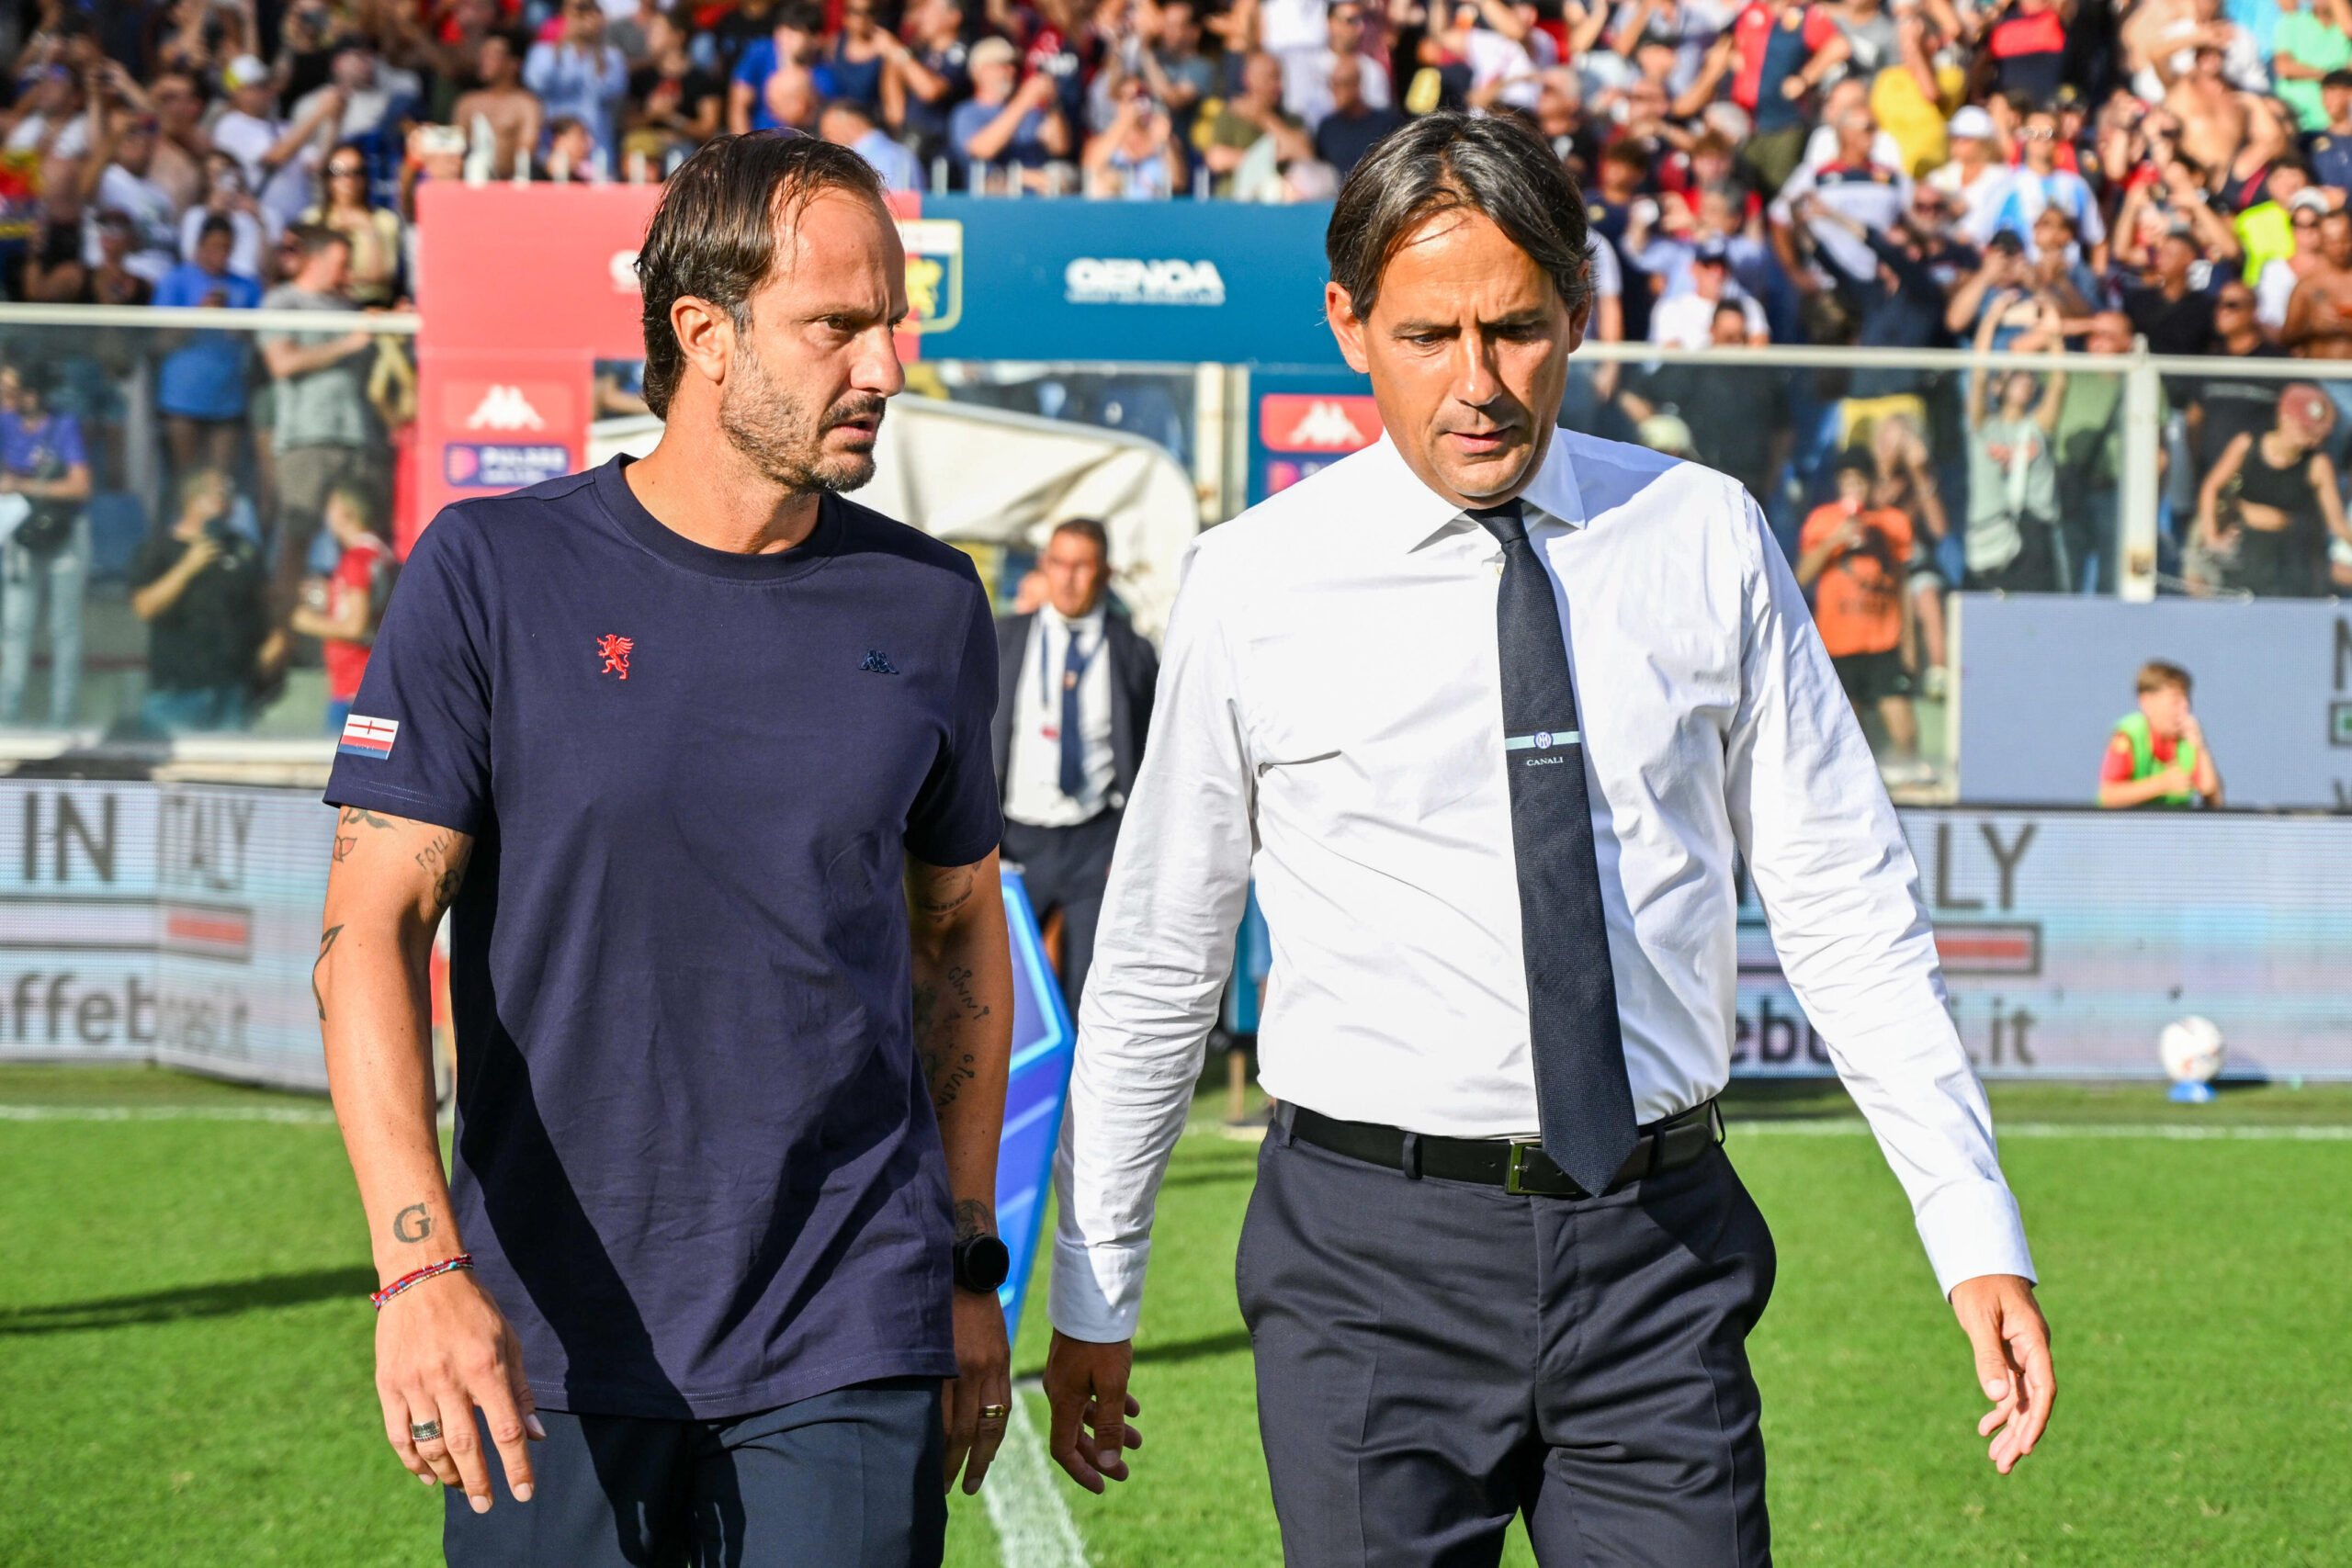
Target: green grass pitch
point(185, 1347)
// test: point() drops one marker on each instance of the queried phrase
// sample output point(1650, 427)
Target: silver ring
point(995, 1412)
point(424, 1431)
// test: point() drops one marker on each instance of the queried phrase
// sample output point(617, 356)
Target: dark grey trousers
point(1435, 1356)
point(849, 1479)
point(1067, 869)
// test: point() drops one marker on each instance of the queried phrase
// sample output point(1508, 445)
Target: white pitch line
point(1854, 1126)
point(1034, 1529)
point(291, 1116)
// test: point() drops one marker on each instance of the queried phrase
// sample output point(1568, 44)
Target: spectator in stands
point(1020, 128)
point(860, 56)
point(776, 81)
point(1136, 157)
point(1352, 124)
point(933, 77)
point(1688, 320)
point(570, 156)
point(2226, 407)
point(2170, 309)
point(2287, 503)
point(226, 198)
point(2012, 543)
point(1181, 77)
point(1308, 89)
point(324, 431)
point(2330, 147)
point(343, 609)
point(2089, 445)
point(2158, 756)
point(1737, 419)
point(1976, 179)
point(674, 105)
point(201, 387)
point(376, 101)
point(2038, 183)
point(581, 74)
point(1853, 558)
point(2319, 313)
point(275, 154)
point(373, 232)
point(177, 104)
point(60, 276)
point(850, 123)
point(123, 148)
point(197, 586)
point(1251, 138)
point(510, 112)
point(45, 472)
point(1785, 50)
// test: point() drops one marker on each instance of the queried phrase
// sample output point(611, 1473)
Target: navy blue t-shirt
point(696, 1163)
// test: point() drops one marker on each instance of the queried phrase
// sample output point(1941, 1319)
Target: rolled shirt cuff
point(1097, 1292)
point(1973, 1229)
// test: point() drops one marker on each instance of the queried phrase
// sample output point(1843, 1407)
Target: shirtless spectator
point(512, 110)
point(2212, 112)
point(2319, 313)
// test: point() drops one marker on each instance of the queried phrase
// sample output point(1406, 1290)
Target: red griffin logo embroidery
point(614, 651)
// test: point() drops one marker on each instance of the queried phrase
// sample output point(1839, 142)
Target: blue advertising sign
point(1175, 281)
point(1043, 1045)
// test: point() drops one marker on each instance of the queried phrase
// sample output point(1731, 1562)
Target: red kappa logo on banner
point(614, 651)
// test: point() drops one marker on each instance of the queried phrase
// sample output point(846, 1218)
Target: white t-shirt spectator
point(71, 141)
point(283, 192)
point(247, 246)
point(1872, 195)
point(1821, 148)
point(1495, 58)
point(1306, 83)
point(1688, 320)
point(1979, 199)
point(153, 216)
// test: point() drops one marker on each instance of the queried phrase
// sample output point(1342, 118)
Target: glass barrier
point(192, 543)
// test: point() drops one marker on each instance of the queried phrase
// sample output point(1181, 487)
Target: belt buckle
point(1510, 1176)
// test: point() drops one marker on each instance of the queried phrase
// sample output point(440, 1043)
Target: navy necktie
point(1583, 1104)
point(1073, 736)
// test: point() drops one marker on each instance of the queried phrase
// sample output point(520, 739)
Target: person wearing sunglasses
point(344, 206)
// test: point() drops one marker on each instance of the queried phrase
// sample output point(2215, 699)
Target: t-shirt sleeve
point(1816, 527)
point(70, 450)
point(954, 820)
point(1820, 26)
point(2117, 765)
point(417, 744)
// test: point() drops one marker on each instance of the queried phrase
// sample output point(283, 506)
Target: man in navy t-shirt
point(696, 753)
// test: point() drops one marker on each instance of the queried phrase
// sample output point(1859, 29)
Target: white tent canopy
point(974, 475)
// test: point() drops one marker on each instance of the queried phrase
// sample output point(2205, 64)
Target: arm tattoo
point(326, 945)
point(353, 816)
point(404, 1230)
point(939, 1025)
point(342, 848)
point(945, 892)
point(973, 1217)
point(446, 859)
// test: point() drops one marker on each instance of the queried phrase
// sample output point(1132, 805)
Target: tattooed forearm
point(413, 1224)
point(445, 858)
point(943, 892)
point(973, 1217)
point(342, 848)
point(357, 816)
point(326, 945)
point(942, 1013)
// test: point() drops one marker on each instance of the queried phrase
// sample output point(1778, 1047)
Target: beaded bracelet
point(446, 1266)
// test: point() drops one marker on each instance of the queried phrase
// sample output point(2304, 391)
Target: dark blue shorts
point(850, 1479)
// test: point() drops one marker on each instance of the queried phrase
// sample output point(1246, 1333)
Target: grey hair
point(1492, 164)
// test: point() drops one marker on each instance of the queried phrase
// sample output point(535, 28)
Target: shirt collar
point(1413, 513)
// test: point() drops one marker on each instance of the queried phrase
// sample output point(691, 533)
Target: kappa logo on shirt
point(878, 663)
point(614, 651)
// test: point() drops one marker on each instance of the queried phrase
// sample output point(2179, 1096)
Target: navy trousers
point(1067, 869)
point(1435, 1356)
point(850, 1479)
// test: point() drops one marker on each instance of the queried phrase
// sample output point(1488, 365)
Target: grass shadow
point(223, 1300)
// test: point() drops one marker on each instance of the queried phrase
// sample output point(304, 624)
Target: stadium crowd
point(2063, 176)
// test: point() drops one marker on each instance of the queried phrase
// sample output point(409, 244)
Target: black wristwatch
point(981, 1264)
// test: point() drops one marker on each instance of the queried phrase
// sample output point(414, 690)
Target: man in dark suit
point(1073, 705)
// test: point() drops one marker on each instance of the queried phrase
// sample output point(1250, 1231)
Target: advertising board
point(2070, 938)
point(161, 922)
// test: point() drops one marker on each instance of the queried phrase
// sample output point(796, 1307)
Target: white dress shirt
point(1330, 719)
point(1034, 790)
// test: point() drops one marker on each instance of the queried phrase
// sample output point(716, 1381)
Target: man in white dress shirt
point(1074, 685)
point(1495, 1262)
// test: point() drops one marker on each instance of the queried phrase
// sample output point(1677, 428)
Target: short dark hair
point(2158, 674)
point(2337, 79)
point(215, 224)
point(714, 236)
point(309, 239)
point(1089, 529)
point(1447, 161)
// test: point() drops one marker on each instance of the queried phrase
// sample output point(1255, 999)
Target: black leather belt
point(1669, 1145)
